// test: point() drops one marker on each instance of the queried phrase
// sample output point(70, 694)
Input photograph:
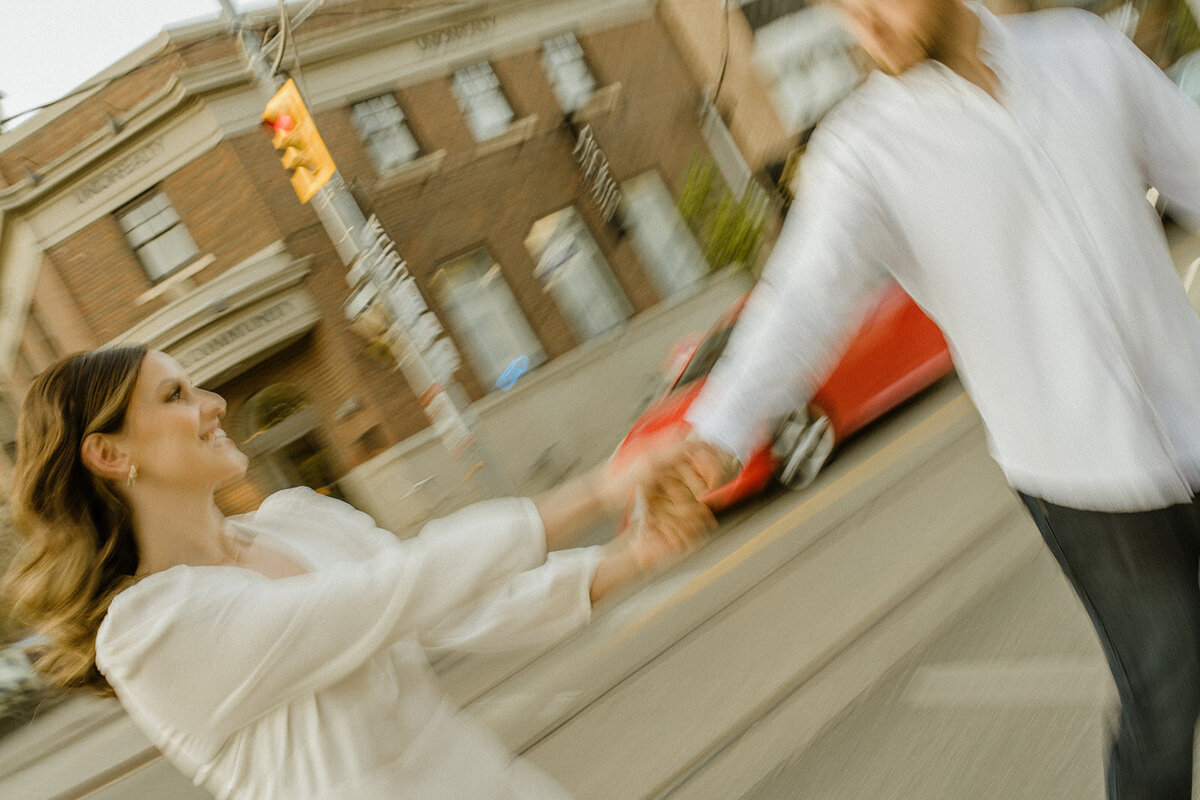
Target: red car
point(896, 353)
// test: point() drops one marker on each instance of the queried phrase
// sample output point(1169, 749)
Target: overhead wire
point(315, 12)
point(103, 82)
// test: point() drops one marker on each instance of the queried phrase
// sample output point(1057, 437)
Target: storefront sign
point(131, 164)
point(597, 177)
point(438, 39)
point(236, 334)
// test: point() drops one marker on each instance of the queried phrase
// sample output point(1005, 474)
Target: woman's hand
point(660, 530)
point(673, 462)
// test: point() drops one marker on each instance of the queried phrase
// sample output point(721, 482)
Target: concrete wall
point(565, 417)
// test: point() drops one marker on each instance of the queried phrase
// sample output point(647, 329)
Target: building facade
point(525, 157)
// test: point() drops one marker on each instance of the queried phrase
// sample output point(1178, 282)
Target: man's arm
point(832, 250)
point(1167, 124)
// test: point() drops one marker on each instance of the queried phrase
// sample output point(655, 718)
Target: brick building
point(152, 208)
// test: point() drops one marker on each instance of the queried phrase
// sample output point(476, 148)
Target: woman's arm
point(540, 606)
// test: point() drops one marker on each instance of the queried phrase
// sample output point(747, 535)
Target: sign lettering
point(447, 36)
point(132, 163)
point(235, 333)
point(597, 177)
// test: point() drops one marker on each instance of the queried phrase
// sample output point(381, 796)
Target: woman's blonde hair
point(77, 549)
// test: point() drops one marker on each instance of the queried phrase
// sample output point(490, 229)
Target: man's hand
point(662, 492)
point(665, 519)
point(674, 458)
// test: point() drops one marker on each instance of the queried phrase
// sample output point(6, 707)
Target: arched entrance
point(286, 437)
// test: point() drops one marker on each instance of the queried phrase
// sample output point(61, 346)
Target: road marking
point(1046, 681)
point(948, 414)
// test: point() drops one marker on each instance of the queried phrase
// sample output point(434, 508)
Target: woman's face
point(172, 429)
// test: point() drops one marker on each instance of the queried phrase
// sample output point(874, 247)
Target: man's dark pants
point(1136, 574)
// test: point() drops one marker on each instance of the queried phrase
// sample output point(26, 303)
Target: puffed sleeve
point(212, 648)
point(534, 608)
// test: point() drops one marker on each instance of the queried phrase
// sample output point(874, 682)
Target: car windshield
point(706, 356)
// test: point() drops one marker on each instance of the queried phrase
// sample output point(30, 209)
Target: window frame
point(360, 120)
point(467, 333)
point(137, 204)
point(460, 84)
point(593, 274)
point(553, 69)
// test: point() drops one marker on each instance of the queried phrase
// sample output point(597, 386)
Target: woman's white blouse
point(319, 685)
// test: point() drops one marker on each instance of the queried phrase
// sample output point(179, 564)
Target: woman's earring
point(132, 474)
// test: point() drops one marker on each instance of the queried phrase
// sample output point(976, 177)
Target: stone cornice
point(267, 272)
point(101, 144)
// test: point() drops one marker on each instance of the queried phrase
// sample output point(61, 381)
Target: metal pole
point(378, 274)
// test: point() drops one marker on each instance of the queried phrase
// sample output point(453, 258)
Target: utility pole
point(384, 302)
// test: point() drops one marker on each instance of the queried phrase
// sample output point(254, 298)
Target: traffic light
point(295, 133)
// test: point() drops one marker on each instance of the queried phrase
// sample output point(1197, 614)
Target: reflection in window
point(661, 238)
point(485, 315)
point(381, 125)
point(571, 267)
point(153, 229)
point(482, 101)
point(572, 81)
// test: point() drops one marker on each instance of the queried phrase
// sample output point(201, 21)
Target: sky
point(48, 47)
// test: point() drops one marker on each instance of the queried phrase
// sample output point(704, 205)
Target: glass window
point(571, 267)
point(152, 228)
point(572, 81)
point(661, 238)
point(810, 53)
point(486, 317)
point(381, 126)
point(482, 101)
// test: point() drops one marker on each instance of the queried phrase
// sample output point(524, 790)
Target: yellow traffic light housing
point(295, 133)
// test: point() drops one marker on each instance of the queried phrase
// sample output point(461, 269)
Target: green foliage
point(729, 228)
point(1184, 33)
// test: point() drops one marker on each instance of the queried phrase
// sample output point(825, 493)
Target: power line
point(103, 82)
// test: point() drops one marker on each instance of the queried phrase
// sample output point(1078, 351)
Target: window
point(152, 228)
point(571, 267)
point(810, 53)
point(661, 238)
point(479, 96)
point(381, 126)
point(485, 315)
point(572, 81)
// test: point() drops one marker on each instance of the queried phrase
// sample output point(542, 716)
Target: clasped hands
point(660, 494)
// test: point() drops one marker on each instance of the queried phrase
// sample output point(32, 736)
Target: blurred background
point(570, 189)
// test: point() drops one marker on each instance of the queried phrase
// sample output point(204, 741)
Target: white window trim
point(518, 132)
point(420, 169)
point(173, 282)
point(553, 75)
point(599, 102)
point(403, 124)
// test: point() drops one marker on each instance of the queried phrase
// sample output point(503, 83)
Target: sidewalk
point(1008, 703)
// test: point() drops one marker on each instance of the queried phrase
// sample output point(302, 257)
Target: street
point(748, 656)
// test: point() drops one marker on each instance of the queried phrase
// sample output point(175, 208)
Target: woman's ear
point(104, 457)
